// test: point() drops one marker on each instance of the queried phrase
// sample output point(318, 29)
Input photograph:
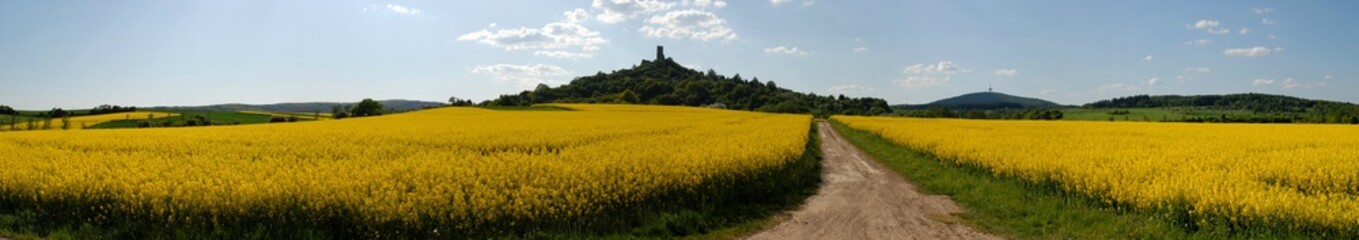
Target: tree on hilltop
point(365, 108)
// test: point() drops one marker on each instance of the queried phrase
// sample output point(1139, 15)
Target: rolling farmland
point(1281, 177)
point(441, 172)
point(81, 122)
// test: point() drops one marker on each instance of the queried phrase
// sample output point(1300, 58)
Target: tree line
point(1246, 101)
point(365, 108)
point(1265, 108)
point(665, 82)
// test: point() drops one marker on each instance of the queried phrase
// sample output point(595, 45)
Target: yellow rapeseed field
point(1295, 176)
point(82, 122)
point(451, 168)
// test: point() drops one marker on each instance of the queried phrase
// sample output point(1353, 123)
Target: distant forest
point(1267, 108)
point(665, 82)
point(1257, 102)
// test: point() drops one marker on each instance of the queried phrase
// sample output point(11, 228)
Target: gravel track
point(862, 199)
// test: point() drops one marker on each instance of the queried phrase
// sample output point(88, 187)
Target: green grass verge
point(1023, 210)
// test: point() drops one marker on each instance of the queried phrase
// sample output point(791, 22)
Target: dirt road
point(862, 199)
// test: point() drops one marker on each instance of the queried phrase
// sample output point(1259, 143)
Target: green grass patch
point(120, 124)
point(76, 112)
point(220, 117)
point(300, 115)
point(1024, 210)
point(230, 117)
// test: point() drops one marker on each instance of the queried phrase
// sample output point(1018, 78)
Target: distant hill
point(396, 105)
point(986, 101)
point(1257, 102)
point(665, 82)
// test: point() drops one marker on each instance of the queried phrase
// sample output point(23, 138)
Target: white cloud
point(1288, 83)
point(524, 76)
point(1147, 58)
point(1198, 69)
point(1200, 42)
point(785, 50)
point(1250, 52)
point(1327, 77)
point(398, 9)
point(1117, 87)
point(1273, 37)
point(860, 49)
point(1267, 21)
point(707, 3)
point(923, 75)
point(781, 2)
point(1243, 31)
point(1260, 10)
point(1202, 24)
point(943, 67)
point(562, 54)
point(1153, 81)
point(392, 8)
point(616, 11)
point(1213, 27)
point(852, 88)
point(1050, 91)
point(923, 81)
point(577, 16)
point(692, 24)
point(1291, 84)
point(559, 36)
point(1007, 72)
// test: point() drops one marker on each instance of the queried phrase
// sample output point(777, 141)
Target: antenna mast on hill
point(988, 87)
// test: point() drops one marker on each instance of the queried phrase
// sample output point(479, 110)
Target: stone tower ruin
point(660, 53)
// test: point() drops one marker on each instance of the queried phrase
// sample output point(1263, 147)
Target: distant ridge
point(986, 101)
point(1241, 101)
point(398, 105)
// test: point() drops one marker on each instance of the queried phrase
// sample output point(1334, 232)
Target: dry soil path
point(862, 199)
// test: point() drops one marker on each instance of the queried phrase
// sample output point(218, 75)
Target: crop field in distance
point(82, 122)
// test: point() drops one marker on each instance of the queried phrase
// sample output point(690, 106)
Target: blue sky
point(79, 54)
